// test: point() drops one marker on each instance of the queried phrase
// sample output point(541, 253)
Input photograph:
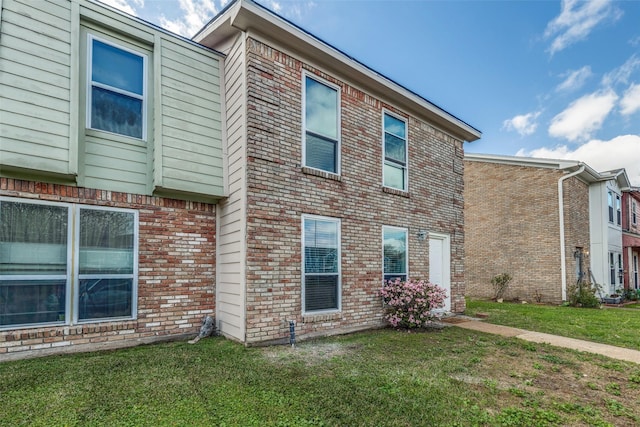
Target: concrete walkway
point(555, 340)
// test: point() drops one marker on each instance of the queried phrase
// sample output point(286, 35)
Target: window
point(618, 210)
point(634, 212)
point(321, 264)
point(106, 263)
point(116, 95)
point(394, 244)
point(620, 269)
point(321, 148)
point(395, 152)
point(612, 269)
point(40, 245)
point(610, 203)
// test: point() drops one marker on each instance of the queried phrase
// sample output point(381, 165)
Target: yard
point(447, 377)
point(612, 325)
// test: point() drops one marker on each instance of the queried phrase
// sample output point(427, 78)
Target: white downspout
point(563, 249)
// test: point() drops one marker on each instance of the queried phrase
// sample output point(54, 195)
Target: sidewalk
point(555, 340)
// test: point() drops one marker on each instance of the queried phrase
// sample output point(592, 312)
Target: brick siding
point(512, 226)
point(176, 286)
point(280, 191)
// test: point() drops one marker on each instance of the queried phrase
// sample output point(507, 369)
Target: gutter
point(563, 249)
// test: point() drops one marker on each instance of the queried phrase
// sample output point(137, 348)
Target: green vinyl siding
point(43, 123)
point(190, 158)
point(35, 52)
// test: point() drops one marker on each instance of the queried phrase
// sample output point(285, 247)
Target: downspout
point(563, 249)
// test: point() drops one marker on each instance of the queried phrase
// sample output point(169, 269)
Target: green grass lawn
point(613, 326)
point(450, 377)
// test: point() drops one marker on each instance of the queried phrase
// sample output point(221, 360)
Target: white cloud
point(574, 80)
point(630, 102)
point(128, 6)
point(576, 21)
point(524, 124)
point(584, 116)
point(620, 152)
point(622, 74)
point(196, 13)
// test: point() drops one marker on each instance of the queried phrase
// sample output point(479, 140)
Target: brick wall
point(512, 226)
point(280, 191)
point(176, 287)
point(576, 226)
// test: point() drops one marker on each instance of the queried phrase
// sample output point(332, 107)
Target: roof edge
point(247, 15)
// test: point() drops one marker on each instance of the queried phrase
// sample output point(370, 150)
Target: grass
point(608, 326)
point(451, 377)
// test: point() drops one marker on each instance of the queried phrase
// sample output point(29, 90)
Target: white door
point(440, 264)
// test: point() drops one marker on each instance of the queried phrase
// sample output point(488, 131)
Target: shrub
point(583, 294)
point(410, 304)
point(500, 284)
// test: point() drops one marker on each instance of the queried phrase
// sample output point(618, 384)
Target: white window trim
point(406, 232)
point(338, 221)
point(72, 274)
point(90, 84)
point(66, 277)
point(133, 275)
point(618, 209)
point(611, 208)
point(337, 88)
point(634, 212)
point(406, 149)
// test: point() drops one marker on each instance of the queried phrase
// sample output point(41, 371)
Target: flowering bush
point(410, 304)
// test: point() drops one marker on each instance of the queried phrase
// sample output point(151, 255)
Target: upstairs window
point(634, 212)
point(116, 96)
point(618, 210)
point(321, 149)
point(395, 153)
point(610, 203)
point(321, 264)
point(395, 262)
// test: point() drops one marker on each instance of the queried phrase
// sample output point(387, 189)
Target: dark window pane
point(320, 153)
point(24, 302)
point(320, 292)
point(106, 242)
point(117, 68)
point(103, 298)
point(33, 239)
point(392, 277)
point(117, 113)
point(394, 148)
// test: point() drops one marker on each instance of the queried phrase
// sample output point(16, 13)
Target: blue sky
point(553, 79)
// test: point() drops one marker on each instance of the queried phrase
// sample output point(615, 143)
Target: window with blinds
point(321, 264)
point(321, 126)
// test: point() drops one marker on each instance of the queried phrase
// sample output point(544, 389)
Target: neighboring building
point(631, 237)
point(147, 180)
point(111, 162)
point(545, 222)
point(606, 230)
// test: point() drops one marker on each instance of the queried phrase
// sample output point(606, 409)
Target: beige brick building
point(285, 186)
point(537, 220)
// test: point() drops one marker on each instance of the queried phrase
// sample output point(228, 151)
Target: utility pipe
point(563, 249)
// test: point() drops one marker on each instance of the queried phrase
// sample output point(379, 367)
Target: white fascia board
point(247, 16)
point(522, 161)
